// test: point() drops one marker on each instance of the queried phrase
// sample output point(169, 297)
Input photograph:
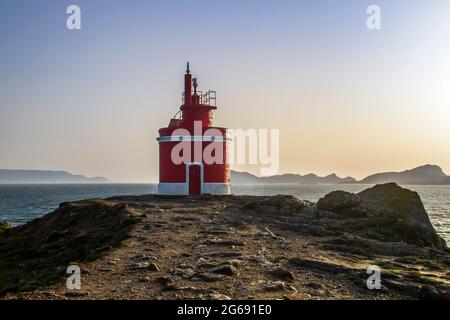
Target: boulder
point(391, 200)
point(282, 273)
point(276, 205)
point(226, 269)
point(387, 213)
point(337, 200)
point(400, 213)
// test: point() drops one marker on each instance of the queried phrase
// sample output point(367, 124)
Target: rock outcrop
point(402, 212)
point(343, 203)
point(338, 200)
point(276, 205)
point(37, 253)
point(390, 213)
point(230, 247)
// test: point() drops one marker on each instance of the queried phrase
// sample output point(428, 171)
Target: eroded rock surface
point(403, 213)
point(390, 213)
point(338, 200)
point(230, 247)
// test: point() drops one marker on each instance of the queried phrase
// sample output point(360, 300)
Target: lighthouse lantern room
point(192, 152)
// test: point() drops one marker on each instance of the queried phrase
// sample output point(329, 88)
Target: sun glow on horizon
point(346, 100)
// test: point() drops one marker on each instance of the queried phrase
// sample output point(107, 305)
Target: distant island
point(43, 176)
point(423, 175)
point(427, 174)
point(289, 178)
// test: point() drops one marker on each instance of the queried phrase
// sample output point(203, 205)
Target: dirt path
point(207, 249)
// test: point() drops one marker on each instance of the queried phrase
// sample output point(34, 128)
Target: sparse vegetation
point(37, 254)
point(241, 247)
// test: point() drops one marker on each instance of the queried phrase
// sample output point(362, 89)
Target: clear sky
point(346, 99)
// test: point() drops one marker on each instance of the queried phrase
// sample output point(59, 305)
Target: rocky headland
point(423, 175)
point(45, 176)
point(229, 247)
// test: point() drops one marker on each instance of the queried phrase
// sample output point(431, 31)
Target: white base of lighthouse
point(183, 188)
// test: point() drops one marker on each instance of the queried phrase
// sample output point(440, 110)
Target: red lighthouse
point(192, 152)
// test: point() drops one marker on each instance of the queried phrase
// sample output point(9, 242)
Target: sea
point(20, 203)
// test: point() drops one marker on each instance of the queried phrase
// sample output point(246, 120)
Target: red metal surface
point(170, 172)
point(195, 108)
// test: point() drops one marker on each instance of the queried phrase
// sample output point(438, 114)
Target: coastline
point(239, 247)
point(22, 203)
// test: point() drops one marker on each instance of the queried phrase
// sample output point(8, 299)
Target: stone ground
point(208, 248)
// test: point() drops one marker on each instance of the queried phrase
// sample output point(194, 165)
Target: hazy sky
point(346, 99)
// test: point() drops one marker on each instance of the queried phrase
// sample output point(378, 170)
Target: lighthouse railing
point(207, 98)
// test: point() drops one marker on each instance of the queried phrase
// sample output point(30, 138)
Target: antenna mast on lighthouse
point(187, 86)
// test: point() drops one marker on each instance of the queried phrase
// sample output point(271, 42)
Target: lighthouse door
point(194, 179)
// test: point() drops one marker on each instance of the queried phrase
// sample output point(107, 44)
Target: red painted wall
point(192, 111)
point(170, 172)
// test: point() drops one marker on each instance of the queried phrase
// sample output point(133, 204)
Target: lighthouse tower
point(192, 152)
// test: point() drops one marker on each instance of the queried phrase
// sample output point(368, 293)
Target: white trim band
point(183, 188)
point(193, 138)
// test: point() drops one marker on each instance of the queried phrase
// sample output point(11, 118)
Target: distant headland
point(44, 176)
point(423, 175)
